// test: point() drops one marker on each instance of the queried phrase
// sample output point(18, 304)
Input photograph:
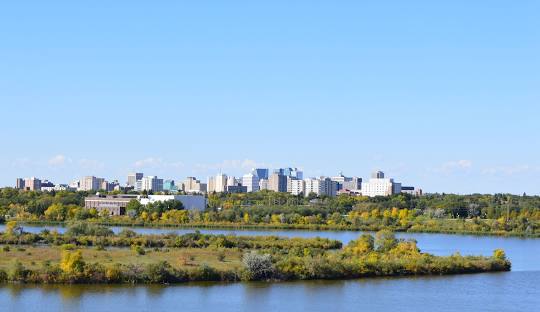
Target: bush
point(499, 254)
point(3, 276)
point(161, 272)
point(68, 247)
point(18, 272)
point(258, 266)
point(126, 233)
point(138, 249)
point(85, 228)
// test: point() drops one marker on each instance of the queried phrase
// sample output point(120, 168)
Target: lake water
point(518, 290)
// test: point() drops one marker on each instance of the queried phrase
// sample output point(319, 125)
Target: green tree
point(385, 240)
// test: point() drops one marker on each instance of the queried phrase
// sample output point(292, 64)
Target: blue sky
point(444, 96)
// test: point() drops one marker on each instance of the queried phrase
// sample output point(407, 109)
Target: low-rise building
point(236, 189)
point(114, 205)
point(190, 202)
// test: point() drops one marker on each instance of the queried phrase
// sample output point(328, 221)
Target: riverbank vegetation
point(93, 254)
point(499, 214)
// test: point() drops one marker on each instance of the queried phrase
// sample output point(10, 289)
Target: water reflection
point(510, 291)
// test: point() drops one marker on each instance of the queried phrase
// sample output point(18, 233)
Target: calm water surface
point(518, 290)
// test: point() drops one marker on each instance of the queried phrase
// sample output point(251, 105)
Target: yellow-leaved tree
point(72, 262)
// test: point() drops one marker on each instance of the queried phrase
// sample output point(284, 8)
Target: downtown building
point(151, 183)
point(192, 185)
point(251, 182)
point(277, 182)
point(321, 186)
point(28, 184)
point(378, 185)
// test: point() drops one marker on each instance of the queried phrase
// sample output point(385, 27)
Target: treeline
point(379, 255)
point(491, 214)
point(85, 234)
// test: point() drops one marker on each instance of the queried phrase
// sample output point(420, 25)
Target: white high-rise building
point(321, 186)
point(90, 183)
point(152, 183)
point(192, 185)
point(296, 187)
point(251, 181)
point(32, 184)
point(132, 178)
point(220, 183)
point(211, 185)
point(231, 181)
point(380, 186)
point(263, 184)
point(347, 183)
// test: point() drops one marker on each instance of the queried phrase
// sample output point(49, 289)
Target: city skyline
point(442, 94)
point(175, 171)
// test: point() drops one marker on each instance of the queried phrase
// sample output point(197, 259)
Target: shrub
point(114, 274)
point(3, 276)
point(221, 256)
point(126, 233)
point(258, 266)
point(68, 247)
point(499, 254)
point(18, 272)
point(138, 249)
point(160, 272)
point(72, 262)
point(385, 240)
point(85, 228)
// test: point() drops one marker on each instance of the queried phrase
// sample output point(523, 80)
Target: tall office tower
point(152, 183)
point(379, 186)
point(32, 184)
point(211, 185)
point(20, 184)
point(250, 181)
point(220, 183)
point(261, 173)
point(90, 183)
point(277, 182)
point(296, 187)
point(132, 178)
point(321, 186)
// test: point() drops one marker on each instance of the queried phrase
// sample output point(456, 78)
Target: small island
point(88, 253)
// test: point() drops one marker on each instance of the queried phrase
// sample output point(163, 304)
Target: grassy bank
point(93, 254)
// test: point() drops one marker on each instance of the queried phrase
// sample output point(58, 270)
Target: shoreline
point(90, 254)
point(276, 227)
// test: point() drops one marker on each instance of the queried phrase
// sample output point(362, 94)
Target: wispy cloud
point(59, 160)
point(91, 164)
point(454, 166)
point(23, 162)
point(155, 162)
point(510, 170)
point(233, 164)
